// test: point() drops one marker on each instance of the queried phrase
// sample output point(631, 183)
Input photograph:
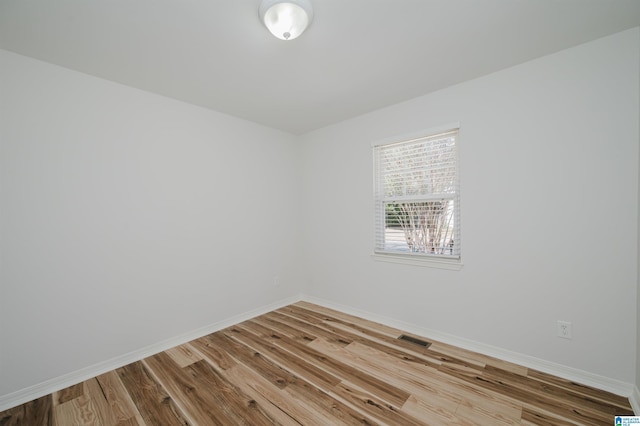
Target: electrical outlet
point(276, 281)
point(564, 329)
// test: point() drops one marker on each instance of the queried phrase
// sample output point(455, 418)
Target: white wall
point(549, 185)
point(129, 218)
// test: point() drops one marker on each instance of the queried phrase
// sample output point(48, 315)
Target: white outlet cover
point(564, 330)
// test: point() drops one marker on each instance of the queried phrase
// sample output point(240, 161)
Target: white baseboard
point(569, 373)
point(634, 400)
point(66, 380)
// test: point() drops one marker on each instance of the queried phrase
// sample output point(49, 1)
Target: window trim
point(452, 264)
point(424, 260)
point(418, 134)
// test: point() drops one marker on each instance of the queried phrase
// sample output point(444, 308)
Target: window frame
point(416, 259)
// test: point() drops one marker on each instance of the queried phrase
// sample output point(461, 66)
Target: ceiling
point(357, 55)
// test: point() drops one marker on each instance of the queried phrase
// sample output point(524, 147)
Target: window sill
point(429, 262)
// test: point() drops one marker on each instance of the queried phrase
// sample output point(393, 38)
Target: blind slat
point(416, 192)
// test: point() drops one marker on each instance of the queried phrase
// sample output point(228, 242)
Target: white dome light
point(286, 19)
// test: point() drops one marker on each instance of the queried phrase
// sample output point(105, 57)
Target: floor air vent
point(414, 340)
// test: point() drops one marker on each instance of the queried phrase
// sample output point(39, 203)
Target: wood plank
point(436, 415)
point(430, 354)
point(79, 411)
point(484, 412)
point(312, 374)
point(135, 421)
point(153, 402)
point(384, 391)
point(243, 408)
point(183, 355)
point(366, 327)
point(594, 409)
point(530, 397)
point(351, 332)
point(32, 413)
point(397, 375)
point(302, 335)
point(349, 335)
point(417, 382)
point(209, 348)
point(208, 345)
point(205, 394)
point(302, 326)
point(314, 392)
point(429, 388)
point(299, 401)
point(532, 417)
point(279, 405)
point(620, 402)
point(67, 394)
point(119, 400)
point(103, 411)
point(371, 325)
point(374, 407)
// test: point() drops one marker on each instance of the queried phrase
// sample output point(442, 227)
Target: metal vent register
point(414, 340)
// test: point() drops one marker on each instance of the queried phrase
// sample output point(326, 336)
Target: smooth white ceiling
point(357, 55)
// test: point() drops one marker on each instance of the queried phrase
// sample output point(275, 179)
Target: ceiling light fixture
point(286, 19)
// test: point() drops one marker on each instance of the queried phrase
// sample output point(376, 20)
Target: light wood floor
point(304, 364)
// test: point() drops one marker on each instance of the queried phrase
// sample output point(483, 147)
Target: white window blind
point(417, 197)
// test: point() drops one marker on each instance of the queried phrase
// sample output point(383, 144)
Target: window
point(417, 199)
